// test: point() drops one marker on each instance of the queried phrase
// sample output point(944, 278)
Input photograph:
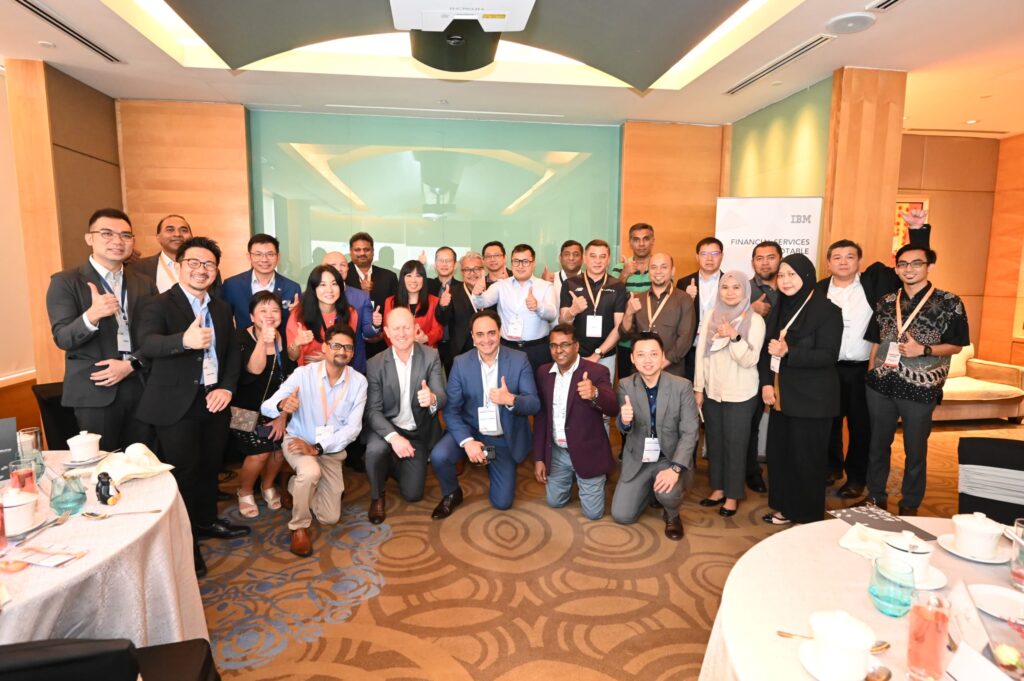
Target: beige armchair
point(979, 389)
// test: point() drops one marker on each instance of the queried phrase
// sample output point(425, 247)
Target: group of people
point(408, 372)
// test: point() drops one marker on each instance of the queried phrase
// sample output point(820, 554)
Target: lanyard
point(782, 334)
point(323, 392)
point(124, 295)
point(652, 317)
point(470, 296)
point(171, 271)
point(900, 326)
point(600, 290)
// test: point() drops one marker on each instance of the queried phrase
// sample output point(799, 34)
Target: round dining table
point(779, 582)
point(136, 579)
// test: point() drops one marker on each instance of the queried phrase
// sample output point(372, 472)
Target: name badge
point(209, 369)
point(487, 418)
point(892, 355)
point(124, 339)
point(515, 328)
point(324, 433)
point(652, 450)
point(594, 323)
point(776, 363)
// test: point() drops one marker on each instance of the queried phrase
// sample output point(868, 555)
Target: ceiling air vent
point(882, 5)
point(60, 25)
point(792, 55)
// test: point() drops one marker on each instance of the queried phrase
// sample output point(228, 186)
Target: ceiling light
point(47, 44)
point(464, 111)
point(776, 83)
point(970, 121)
point(854, 22)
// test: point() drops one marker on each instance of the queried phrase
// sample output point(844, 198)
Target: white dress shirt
point(510, 296)
point(560, 402)
point(166, 272)
point(256, 286)
point(405, 419)
point(856, 315)
point(489, 379)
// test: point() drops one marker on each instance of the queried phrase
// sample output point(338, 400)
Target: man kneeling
point(325, 400)
point(658, 419)
point(569, 439)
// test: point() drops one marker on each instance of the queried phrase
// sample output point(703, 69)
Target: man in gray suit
point(406, 389)
point(658, 421)
point(94, 311)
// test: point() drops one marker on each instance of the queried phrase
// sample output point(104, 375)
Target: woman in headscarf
point(726, 385)
point(800, 384)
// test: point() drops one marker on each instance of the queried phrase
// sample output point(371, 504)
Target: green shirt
point(638, 282)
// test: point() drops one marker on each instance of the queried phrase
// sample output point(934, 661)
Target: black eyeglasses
point(108, 234)
point(564, 345)
point(339, 347)
point(195, 264)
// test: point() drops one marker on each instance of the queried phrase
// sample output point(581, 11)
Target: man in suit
point(94, 316)
point(658, 420)
point(444, 265)
point(569, 439)
point(189, 337)
point(702, 287)
point(378, 282)
point(162, 268)
point(264, 254)
point(456, 309)
point(491, 393)
point(405, 392)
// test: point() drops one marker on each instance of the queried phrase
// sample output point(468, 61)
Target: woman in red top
point(323, 303)
point(412, 293)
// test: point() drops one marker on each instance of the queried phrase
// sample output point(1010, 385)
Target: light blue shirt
point(345, 420)
point(510, 296)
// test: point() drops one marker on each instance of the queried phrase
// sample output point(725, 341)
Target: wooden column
point(865, 137)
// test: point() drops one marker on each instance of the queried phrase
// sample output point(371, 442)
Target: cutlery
point(877, 647)
point(60, 520)
point(103, 516)
point(879, 674)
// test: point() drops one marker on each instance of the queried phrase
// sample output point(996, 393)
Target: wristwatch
point(319, 448)
point(676, 468)
point(135, 362)
point(737, 338)
point(927, 351)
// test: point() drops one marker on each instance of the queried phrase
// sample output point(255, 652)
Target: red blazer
point(428, 323)
point(588, 445)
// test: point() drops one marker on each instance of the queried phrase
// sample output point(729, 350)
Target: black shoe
point(673, 528)
point(200, 563)
point(224, 496)
point(851, 490)
point(707, 503)
point(726, 512)
point(756, 483)
point(447, 505)
point(908, 511)
point(773, 519)
point(222, 529)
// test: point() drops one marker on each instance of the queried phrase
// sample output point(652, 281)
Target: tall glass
point(1017, 564)
point(30, 448)
point(929, 629)
point(892, 586)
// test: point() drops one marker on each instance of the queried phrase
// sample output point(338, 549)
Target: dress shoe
point(674, 528)
point(908, 511)
point(707, 503)
point(222, 529)
point(773, 519)
point(302, 545)
point(447, 505)
point(376, 513)
point(726, 512)
point(756, 483)
point(851, 490)
point(200, 563)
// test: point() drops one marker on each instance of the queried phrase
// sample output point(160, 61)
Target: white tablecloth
point(137, 580)
point(779, 582)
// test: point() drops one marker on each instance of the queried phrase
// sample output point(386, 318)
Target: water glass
point(67, 495)
point(892, 586)
point(30, 442)
point(926, 644)
point(1017, 564)
point(23, 476)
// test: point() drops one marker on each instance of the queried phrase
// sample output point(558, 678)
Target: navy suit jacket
point(238, 292)
point(359, 300)
point(466, 395)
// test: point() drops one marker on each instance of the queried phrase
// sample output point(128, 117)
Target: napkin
point(137, 461)
point(865, 541)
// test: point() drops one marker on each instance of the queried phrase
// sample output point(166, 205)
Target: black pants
point(726, 434)
point(536, 351)
point(917, 427)
point(116, 423)
point(195, 447)
point(853, 405)
point(624, 361)
point(753, 467)
point(797, 452)
point(381, 462)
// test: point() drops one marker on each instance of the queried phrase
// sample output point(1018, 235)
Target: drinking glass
point(30, 449)
point(67, 495)
point(892, 586)
point(926, 645)
point(1017, 564)
point(23, 475)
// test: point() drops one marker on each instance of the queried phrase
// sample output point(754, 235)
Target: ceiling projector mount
point(458, 36)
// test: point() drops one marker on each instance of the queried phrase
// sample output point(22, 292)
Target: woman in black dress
point(800, 384)
point(264, 368)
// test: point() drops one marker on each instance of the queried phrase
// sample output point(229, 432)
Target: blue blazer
point(360, 301)
point(237, 292)
point(466, 395)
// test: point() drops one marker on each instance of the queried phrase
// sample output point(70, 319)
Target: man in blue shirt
point(264, 254)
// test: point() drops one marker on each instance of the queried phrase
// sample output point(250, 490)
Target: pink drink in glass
point(929, 627)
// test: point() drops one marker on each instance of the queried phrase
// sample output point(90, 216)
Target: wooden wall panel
point(78, 199)
point(671, 178)
point(190, 159)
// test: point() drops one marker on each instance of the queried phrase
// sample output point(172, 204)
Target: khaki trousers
point(316, 488)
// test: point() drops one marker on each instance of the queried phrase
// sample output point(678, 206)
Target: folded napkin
point(137, 461)
point(865, 541)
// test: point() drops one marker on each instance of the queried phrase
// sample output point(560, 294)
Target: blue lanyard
point(124, 295)
point(277, 351)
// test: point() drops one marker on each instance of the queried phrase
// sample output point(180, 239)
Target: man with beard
point(664, 311)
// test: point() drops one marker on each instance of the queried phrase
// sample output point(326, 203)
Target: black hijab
point(788, 305)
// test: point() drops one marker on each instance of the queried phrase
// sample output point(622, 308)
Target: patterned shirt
point(941, 320)
point(638, 282)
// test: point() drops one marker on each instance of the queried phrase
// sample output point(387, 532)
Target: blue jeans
point(559, 487)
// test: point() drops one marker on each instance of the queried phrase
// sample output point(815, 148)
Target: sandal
point(247, 505)
point(272, 498)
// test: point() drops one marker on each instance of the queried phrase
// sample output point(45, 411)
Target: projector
point(458, 36)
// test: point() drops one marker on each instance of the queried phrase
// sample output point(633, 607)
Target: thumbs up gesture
point(626, 412)
point(547, 275)
point(501, 395)
point(420, 336)
point(422, 257)
point(290, 404)
point(586, 388)
point(304, 336)
point(195, 336)
point(295, 303)
point(268, 336)
point(378, 318)
point(761, 305)
point(101, 304)
point(480, 286)
point(691, 290)
point(628, 267)
point(579, 304)
point(531, 301)
point(424, 396)
point(633, 306)
point(446, 296)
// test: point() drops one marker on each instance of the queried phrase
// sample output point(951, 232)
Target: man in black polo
point(764, 295)
point(913, 332)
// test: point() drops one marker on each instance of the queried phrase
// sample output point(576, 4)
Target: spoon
point(103, 516)
point(879, 674)
point(876, 647)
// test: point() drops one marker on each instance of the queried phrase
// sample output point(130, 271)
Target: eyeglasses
point(472, 270)
point(709, 254)
point(258, 255)
point(108, 234)
point(563, 346)
point(195, 264)
point(341, 347)
point(913, 264)
point(521, 262)
point(492, 256)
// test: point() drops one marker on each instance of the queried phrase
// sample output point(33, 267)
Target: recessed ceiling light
point(46, 44)
point(854, 22)
point(970, 121)
point(776, 83)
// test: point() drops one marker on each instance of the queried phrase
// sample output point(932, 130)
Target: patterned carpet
point(529, 593)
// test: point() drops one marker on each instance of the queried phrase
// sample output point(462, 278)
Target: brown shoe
point(376, 513)
point(302, 545)
point(674, 528)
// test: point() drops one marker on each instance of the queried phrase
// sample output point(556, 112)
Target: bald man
point(406, 391)
point(360, 302)
point(664, 311)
